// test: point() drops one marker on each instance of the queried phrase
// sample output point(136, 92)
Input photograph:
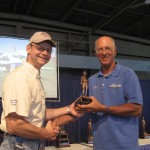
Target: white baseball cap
point(39, 37)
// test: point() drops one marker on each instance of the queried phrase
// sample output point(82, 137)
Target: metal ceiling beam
point(137, 5)
point(48, 23)
point(90, 12)
point(122, 36)
point(133, 25)
point(30, 6)
point(15, 6)
point(44, 22)
point(74, 5)
point(118, 7)
point(99, 25)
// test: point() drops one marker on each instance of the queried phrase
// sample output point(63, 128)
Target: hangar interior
point(76, 24)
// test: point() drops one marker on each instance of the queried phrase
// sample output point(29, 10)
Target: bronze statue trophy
point(84, 99)
point(90, 137)
point(143, 133)
point(62, 139)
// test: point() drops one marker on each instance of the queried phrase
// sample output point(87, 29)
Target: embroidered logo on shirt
point(13, 101)
point(95, 87)
point(115, 85)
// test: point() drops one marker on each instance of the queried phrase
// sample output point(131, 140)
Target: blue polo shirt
point(112, 132)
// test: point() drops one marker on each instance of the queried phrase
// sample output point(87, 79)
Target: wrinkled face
point(105, 51)
point(39, 54)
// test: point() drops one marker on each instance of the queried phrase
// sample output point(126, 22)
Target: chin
point(43, 61)
point(105, 63)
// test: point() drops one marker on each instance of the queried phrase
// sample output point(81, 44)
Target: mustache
point(105, 56)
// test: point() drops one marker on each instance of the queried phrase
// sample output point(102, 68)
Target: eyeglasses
point(107, 49)
point(41, 49)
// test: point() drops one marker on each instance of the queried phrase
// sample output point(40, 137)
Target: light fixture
point(147, 2)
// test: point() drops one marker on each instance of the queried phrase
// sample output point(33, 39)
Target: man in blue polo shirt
point(117, 101)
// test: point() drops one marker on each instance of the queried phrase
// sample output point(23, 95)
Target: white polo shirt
point(23, 93)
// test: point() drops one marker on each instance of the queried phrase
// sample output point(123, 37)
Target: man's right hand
point(52, 131)
point(94, 106)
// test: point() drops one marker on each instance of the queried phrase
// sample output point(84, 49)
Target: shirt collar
point(32, 70)
point(114, 73)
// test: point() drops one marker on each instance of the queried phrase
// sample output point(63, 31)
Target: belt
point(8, 134)
point(20, 138)
point(20, 141)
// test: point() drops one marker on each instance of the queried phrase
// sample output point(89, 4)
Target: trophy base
point(62, 140)
point(90, 140)
point(83, 100)
point(62, 143)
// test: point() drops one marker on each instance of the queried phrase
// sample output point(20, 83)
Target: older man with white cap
point(23, 99)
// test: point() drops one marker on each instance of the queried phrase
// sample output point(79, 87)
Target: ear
point(28, 49)
point(115, 51)
point(96, 54)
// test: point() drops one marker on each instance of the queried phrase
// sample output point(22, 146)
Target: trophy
point(90, 137)
point(84, 99)
point(62, 138)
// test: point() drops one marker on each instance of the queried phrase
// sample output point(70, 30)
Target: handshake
point(73, 112)
point(65, 115)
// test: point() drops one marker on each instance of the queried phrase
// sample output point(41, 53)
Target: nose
point(103, 51)
point(46, 52)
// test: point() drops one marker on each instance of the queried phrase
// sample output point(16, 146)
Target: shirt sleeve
point(132, 88)
point(16, 95)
